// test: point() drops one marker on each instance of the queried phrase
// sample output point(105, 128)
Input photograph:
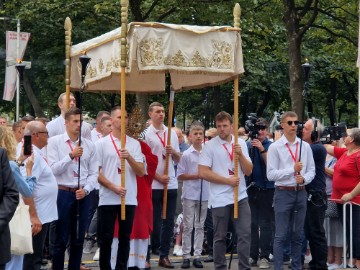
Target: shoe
point(165, 262)
point(334, 266)
point(264, 264)
point(147, 265)
point(179, 253)
point(197, 263)
point(252, 262)
point(271, 258)
point(209, 258)
point(88, 247)
point(176, 249)
point(97, 255)
point(185, 264)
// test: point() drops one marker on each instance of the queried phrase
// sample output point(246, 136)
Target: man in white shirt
point(156, 138)
point(216, 165)
point(291, 172)
point(65, 153)
point(57, 126)
point(96, 133)
point(43, 209)
point(109, 155)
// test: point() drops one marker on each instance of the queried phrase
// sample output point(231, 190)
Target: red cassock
point(143, 220)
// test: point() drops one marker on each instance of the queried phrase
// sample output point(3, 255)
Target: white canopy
point(194, 56)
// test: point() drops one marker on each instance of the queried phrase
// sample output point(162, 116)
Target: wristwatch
point(19, 163)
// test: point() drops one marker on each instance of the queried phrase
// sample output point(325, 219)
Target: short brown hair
point(221, 116)
point(72, 111)
point(152, 105)
point(288, 114)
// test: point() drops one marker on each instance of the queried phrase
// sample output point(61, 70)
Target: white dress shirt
point(57, 127)
point(95, 135)
point(215, 154)
point(65, 169)
point(109, 161)
point(280, 162)
point(189, 165)
point(157, 140)
point(45, 191)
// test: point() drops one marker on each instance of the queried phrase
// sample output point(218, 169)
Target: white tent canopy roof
point(194, 56)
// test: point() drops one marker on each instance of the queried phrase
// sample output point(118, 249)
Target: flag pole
point(18, 76)
point(68, 28)
point(236, 13)
point(167, 157)
point(124, 14)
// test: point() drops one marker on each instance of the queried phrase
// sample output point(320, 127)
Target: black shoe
point(185, 264)
point(209, 258)
point(197, 263)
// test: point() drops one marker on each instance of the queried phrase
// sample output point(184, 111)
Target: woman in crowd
point(332, 223)
point(25, 185)
point(346, 185)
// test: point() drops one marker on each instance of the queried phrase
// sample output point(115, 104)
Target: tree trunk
point(32, 98)
point(295, 70)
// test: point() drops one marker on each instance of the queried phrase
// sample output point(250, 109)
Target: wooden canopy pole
point(124, 14)
point(237, 13)
point(68, 28)
point(167, 158)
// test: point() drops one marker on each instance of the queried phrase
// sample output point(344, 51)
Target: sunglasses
point(293, 122)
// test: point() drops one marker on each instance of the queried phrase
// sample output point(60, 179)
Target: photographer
point(316, 202)
point(261, 193)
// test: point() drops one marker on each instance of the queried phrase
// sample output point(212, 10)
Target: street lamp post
point(306, 68)
point(17, 59)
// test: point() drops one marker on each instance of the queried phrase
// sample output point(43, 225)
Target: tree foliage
point(327, 36)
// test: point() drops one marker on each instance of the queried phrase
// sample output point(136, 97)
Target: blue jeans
point(290, 211)
point(66, 229)
point(163, 228)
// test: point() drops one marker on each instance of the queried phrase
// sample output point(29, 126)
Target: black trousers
point(106, 222)
point(314, 229)
point(262, 217)
point(33, 261)
point(163, 229)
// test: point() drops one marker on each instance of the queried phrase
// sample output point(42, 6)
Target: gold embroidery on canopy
point(177, 60)
point(151, 52)
point(221, 57)
point(101, 65)
point(197, 60)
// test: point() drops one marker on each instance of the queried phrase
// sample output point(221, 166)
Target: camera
point(252, 127)
point(333, 133)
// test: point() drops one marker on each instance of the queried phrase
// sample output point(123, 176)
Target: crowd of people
point(72, 184)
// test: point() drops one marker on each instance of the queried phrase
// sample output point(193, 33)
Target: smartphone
point(27, 145)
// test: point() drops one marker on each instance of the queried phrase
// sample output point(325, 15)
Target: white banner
point(11, 60)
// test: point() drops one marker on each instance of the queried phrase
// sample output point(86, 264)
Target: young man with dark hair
point(65, 153)
point(290, 172)
point(216, 165)
point(156, 137)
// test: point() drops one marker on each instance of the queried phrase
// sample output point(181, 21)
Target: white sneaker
point(264, 264)
point(176, 249)
point(334, 266)
point(97, 255)
point(179, 253)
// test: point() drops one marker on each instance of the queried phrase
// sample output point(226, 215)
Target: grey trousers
point(242, 226)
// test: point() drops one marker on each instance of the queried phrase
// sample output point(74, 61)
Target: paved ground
point(94, 265)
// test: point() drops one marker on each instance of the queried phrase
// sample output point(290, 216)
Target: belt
point(69, 189)
point(291, 188)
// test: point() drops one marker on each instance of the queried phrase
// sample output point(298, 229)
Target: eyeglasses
point(292, 122)
point(43, 132)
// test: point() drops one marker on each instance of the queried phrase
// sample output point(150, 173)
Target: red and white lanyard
point(162, 140)
point(294, 157)
point(113, 142)
point(231, 155)
point(76, 158)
